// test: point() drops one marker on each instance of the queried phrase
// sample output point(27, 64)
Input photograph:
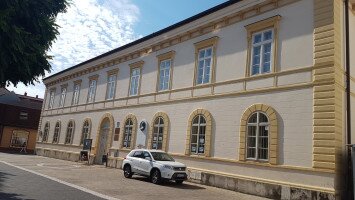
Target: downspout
point(350, 189)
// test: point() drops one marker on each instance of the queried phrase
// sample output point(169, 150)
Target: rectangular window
point(76, 94)
point(111, 86)
point(164, 74)
point(204, 68)
point(62, 97)
point(134, 85)
point(92, 91)
point(23, 115)
point(19, 138)
point(51, 99)
point(261, 52)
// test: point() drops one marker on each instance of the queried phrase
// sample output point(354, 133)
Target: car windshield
point(161, 156)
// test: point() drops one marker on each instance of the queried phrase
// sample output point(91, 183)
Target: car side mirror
point(148, 158)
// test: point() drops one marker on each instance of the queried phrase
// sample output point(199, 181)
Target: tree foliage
point(27, 31)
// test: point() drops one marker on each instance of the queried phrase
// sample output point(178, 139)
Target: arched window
point(45, 132)
point(70, 133)
point(127, 137)
point(198, 133)
point(258, 134)
point(85, 132)
point(258, 137)
point(56, 133)
point(158, 133)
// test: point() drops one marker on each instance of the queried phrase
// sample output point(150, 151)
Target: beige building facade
point(249, 94)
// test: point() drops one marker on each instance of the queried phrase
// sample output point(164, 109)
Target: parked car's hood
point(171, 163)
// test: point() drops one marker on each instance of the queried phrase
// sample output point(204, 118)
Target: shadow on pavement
point(185, 185)
point(9, 196)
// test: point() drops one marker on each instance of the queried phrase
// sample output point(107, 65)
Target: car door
point(136, 158)
point(146, 165)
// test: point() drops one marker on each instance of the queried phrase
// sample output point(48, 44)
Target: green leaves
point(27, 31)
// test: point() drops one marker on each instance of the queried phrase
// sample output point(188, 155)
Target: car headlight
point(168, 167)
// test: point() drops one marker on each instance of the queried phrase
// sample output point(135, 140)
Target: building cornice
point(193, 33)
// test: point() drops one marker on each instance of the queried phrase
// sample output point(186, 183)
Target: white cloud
point(88, 29)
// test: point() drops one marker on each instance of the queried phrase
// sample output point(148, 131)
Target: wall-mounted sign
point(87, 144)
point(143, 125)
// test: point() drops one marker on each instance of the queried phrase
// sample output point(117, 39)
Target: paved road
point(19, 184)
point(100, 181)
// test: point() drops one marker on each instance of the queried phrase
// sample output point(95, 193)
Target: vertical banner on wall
point(142, 134)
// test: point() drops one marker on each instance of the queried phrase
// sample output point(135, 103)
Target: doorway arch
point(104, 136)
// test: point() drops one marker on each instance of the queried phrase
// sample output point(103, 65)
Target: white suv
point(155, 164)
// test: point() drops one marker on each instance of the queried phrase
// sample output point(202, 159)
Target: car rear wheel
point(156, 177)
point(127, 172)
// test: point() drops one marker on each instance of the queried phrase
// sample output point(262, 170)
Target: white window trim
point(257, 125)
point(111, 86)
point(92, 91)
point(198, 135)
point(128, 142)
point(62, 97)
point(51, 99)
point(76, 94)
point(159, 125)
point(261, 44)
point(169, 77)
point(204, 68)
point(138, 76)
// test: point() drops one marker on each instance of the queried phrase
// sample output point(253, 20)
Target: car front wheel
point(179, 181)
point(127, 172)
point(156, 177)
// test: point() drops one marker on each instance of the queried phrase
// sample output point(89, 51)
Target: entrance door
point(105, 127)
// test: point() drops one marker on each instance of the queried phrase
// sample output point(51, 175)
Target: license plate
point(180, 175)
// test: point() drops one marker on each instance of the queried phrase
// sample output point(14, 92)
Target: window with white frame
point(258, 137)
point(45, 132)
point(198, 133)
point(92, 91)
point(134, 86)
point(111, 86)
point(56, 133)
point(86, 132)
point(204, 67)
point(158, 133)
point(164, 74)
point(76, 94)
point(261, 57)
point(127, 136)
point(62, 97)
point(51, 99)
point(70, 132)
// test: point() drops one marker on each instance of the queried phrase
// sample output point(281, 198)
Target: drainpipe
point(349, 184)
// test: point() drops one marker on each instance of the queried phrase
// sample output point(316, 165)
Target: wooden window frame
point(135, 65)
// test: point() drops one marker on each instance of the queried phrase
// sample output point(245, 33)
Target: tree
point(27, 31)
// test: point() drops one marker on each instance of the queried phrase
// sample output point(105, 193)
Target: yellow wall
point(7, 133)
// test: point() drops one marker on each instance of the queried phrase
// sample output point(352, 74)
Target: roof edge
point(152, 35)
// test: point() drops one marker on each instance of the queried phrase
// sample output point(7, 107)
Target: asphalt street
point(35, 177)
point(19, 184)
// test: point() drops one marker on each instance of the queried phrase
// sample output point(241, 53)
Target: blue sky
point(92, 27)
point(158, 14)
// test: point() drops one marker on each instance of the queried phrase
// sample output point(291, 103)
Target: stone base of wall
point(268, 190)
point(63, 155)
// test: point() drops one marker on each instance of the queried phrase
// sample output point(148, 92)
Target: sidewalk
point(111, 181)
